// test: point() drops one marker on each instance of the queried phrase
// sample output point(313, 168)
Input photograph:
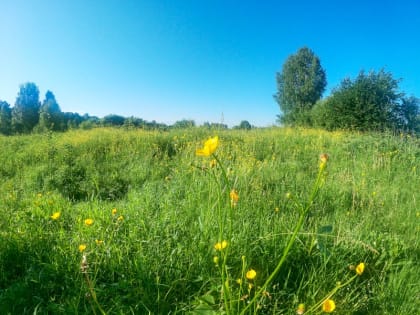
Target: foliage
point(185, 123)
point(25, 112)
point(152, 248)
point(244, 124)
point(5, 118)
point(300, 85)
point(50, 115)
point(369, 102)
point(113, 120)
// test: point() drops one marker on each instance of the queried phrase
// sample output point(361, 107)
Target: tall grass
point(155, 252)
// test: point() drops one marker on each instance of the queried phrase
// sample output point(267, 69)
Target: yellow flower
point(89, 222)
point(328, 306)
point(301, 309)
point(220, 245)
point(209, 147)
point(234, 197)
point(324, 159)
point(55, 215)
point(114, 211)
point(99, 242)
point(120, 218)
point(216, 259)
point(82, 247)
point(251, 274)
point(360, 268)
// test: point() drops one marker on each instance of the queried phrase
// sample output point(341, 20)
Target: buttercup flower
point(234, 197)
point(209, 147)
point(82, 247)
point(328, 306)
point(114, 211)
point(99, 242)
point(360, 268)
point(55, 215)
point(251, 274)
point(301, 309)
point(220, 245)
point(89, 222)
point(216, 260)
point(120, 218)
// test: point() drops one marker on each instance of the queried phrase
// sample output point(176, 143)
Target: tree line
point(372, 101)
point(30, 115)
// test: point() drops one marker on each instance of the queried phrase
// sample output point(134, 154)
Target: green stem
point(330, 294)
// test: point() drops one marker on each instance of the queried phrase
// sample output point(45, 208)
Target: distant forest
point(30, 115)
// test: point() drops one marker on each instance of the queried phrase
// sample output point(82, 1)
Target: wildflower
point(39, 195)
point(220, 245)
point(328, 306)
point(216, 260)
point(209, 147)
point(277, 209)
point(82, 247)
point(89, 222)
point(251, 274)
point(120, 218)
point(55, 215)
point(360, 268)
point(324, 159)
point(301, 309)
point(234, 197)
point(99, 242)
point(114, 211)
point(239, 281)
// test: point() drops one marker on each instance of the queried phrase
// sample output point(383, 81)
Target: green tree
point(5, 118)
point(408, 114)
point(113, 120)
point(50, 115)
point(184, 124)
point(244, 124)
point(370, 102)
point(300, 85)
point(25, 112)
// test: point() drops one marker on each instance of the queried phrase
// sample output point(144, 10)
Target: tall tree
point(5, 118)
point(50, 115)
point(300, 85)
point(25, 113)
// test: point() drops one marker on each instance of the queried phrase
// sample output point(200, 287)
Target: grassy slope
point(158, 256)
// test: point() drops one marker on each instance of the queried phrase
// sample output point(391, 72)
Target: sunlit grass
point(146, 209)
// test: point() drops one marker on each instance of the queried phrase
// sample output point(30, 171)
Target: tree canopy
point(372, 101)
point(25, 112)
point(300, 85)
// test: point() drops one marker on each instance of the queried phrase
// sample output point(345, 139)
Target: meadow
point(113, 221)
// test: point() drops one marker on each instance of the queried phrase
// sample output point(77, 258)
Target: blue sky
point(196, 59)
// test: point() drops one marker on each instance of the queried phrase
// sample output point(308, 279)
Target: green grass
point(157, 257)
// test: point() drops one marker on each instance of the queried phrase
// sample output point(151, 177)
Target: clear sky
point(207, 60)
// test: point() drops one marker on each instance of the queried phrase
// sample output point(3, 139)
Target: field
point(111, 221)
